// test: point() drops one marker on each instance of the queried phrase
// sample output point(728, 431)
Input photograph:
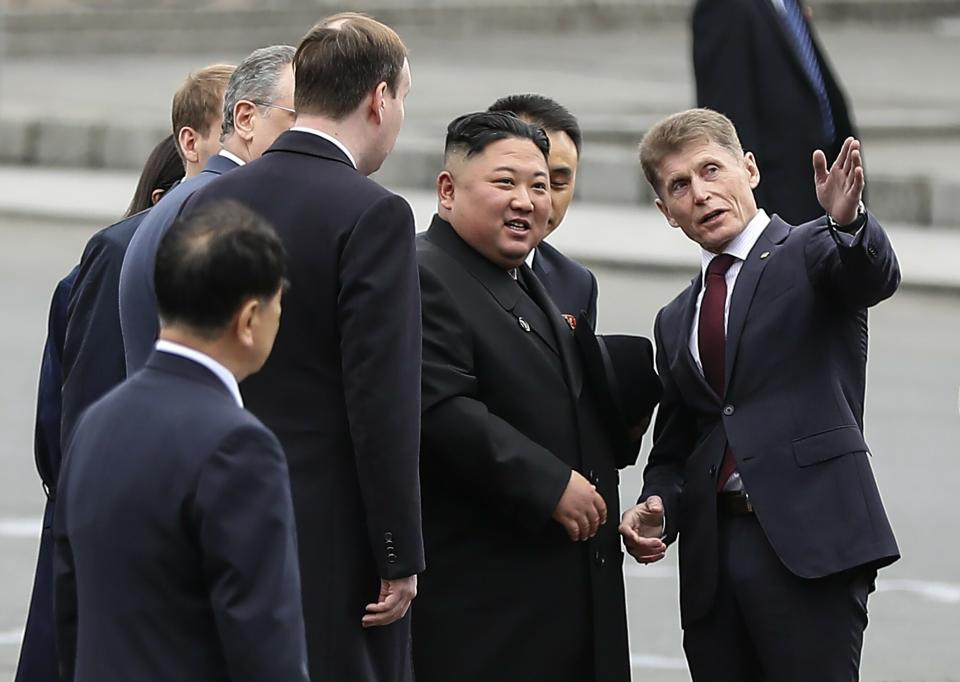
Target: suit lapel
point(746, 286)
point(571, 366)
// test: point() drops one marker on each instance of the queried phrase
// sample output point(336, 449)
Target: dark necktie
point(712, 338)
point(797, 26)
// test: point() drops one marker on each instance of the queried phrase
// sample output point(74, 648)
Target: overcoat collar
point(299, 142)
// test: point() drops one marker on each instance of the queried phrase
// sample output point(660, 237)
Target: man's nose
point(700, 189)
point(521, 200)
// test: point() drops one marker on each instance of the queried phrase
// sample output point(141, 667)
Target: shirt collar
point(224, 374)
point(233, 157)
point(741, 245)
point(529, 259)
point(328, 138)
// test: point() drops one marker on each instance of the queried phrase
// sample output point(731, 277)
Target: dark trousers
point(768, 625)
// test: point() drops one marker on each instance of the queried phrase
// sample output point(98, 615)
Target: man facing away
point(759, 461)
point(342, 388)
point(571, 286)
point(175, 545)
point(519, 470)
point(257, 107)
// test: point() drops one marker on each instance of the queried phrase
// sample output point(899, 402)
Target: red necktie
point(712, 339)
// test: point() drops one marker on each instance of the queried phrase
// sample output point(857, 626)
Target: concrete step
point(595, 233)
point(37, 27)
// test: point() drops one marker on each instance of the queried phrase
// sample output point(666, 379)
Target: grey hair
point(255, 79)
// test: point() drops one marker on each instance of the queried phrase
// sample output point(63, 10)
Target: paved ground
point(912, 423)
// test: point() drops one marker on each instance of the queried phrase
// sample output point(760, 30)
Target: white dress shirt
point(328, 138)
point(233, 157)
point(739, 248)
point(224, 374)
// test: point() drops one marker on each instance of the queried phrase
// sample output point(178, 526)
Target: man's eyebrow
point(562, 170)
point(511, 169)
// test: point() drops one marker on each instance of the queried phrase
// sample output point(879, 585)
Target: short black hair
point(470, 134)
point(544, 112)
point(210, 262)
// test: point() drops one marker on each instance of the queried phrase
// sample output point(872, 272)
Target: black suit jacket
point(93, 360)
point(342, 392)
point(139, 322)
point(747, 67)
point(507, 413)
point(792, 413)
point(175, 545)
point(571, 286)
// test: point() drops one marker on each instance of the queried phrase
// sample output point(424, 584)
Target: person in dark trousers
point(571, 285)
point(760, 63)
point(342, 388)
point(38, 661)
point(175, 544)
point(759, 462)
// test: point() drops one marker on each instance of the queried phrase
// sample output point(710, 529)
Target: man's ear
point(245, 322)
point(245, 114)
point(445, 189)
point(187, 139)
point(378, 101)
point(750, 162)
point(666, 212)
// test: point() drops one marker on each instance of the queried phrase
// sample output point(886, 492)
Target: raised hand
point(581, 509)
point(839, 189)
point(641, 528)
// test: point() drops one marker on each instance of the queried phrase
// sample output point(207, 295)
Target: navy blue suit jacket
point(342, 392)
point(138, 301)
point(180, 564)
point(571, 286)
point(38, 658)
point(792, 411)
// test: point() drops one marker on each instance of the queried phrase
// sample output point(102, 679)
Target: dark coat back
point(342, 392)
point(795, 365)
point(180, 563)
point(38, 656)
point(747, 67)
point(138, 301)
point(506, 416)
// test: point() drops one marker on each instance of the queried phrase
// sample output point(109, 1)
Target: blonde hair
point(676, 131)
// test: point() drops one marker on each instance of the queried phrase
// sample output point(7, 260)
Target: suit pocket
point(827, 445)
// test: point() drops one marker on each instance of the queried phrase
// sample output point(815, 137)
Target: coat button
point(391, 558)
point(599, 559)
point(592, 477)
point(728, 410)
point(388, 537)
point(713, 471)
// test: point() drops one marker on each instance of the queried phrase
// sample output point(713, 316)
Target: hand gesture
point(394, 600)
point(641, 528)
point(581, 509)
point(839, 190)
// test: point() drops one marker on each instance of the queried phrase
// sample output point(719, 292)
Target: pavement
point(601, 235)
point(101, 110)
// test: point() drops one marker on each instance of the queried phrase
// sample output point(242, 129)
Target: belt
point(735, 503)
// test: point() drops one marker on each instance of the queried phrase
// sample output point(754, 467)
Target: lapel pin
point(524, 325)
point(571, 320)
point(764, 255)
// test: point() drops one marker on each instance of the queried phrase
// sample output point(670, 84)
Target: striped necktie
point(797, 26)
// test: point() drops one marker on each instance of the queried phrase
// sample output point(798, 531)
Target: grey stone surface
point(128, 147)
point(69, 144)
point(17, 141)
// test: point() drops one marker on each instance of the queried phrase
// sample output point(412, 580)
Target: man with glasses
point(257, 107)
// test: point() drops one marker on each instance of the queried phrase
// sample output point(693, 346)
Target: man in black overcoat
point(518, 470)
point(342, 388)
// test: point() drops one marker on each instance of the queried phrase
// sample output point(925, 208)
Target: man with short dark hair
point(571, 286)
point(181, 564)
point(519, 471)
point(256, 109)
point(759, 463)
point(342, 388)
